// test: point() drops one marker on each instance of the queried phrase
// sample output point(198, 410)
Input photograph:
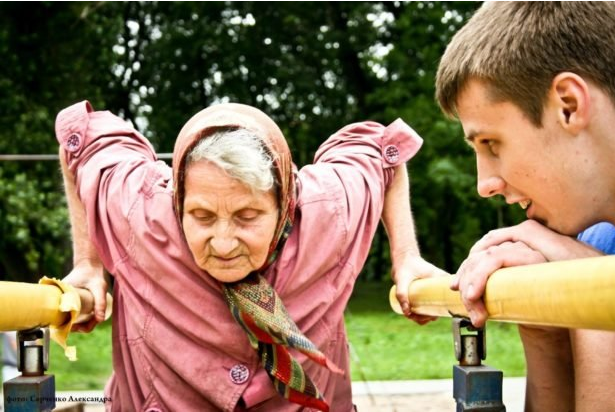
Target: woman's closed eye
point(203, 216)
point(247, 216)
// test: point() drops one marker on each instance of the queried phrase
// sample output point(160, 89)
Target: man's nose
point(490, 186)
point(489, 182)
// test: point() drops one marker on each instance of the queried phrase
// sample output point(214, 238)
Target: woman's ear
point(571, 98)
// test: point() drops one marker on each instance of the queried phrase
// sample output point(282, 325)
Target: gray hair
point(240, 153)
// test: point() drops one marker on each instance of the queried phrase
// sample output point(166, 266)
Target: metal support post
point(476, 387)
point(33, 390)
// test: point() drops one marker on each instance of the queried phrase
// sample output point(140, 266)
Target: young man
point(533, 86)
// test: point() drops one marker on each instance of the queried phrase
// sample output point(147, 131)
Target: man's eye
point(491, 145)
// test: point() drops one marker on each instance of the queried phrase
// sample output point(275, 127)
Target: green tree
point(313, 66)
point(53, 54)
point(449, 214)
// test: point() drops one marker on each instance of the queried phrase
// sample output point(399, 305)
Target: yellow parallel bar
point(572, 294)
point(27, 306)
point(50, 303)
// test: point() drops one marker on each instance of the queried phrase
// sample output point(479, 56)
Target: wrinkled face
point(545, 170)
point(229, 227)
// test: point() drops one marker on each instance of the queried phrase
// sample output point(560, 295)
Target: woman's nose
point(223, 241)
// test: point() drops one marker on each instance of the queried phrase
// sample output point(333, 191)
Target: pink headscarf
point(234, 115)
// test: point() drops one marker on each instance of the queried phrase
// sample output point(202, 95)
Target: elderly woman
point(225, 262)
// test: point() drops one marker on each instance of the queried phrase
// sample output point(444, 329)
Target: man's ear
point(571, 98)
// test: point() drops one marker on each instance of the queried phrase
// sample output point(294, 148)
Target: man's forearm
point(550, 371)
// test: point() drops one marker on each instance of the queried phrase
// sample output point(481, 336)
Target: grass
point(93, 367)
point(384, 346)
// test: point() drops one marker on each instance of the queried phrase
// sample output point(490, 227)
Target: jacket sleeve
point(114, 166)
point(354, 168)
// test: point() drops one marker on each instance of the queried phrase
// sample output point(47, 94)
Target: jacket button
point(391, 154)
point(73, 143)
point(239, 374)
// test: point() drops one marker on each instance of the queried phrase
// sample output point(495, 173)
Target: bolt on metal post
point(33, 390)
point(476, 387)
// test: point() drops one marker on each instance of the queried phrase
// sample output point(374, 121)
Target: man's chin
point(565, 228)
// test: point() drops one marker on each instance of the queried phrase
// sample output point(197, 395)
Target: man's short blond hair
point(519, 47)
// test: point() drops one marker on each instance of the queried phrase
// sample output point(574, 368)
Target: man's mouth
point(525, 204)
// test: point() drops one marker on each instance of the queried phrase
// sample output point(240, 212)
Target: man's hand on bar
point(410, 268)
point(472, 276)
point(90, 275)
point(552, 245)
point(523, 244)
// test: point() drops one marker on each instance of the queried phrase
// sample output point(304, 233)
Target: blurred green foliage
point(314, 67)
